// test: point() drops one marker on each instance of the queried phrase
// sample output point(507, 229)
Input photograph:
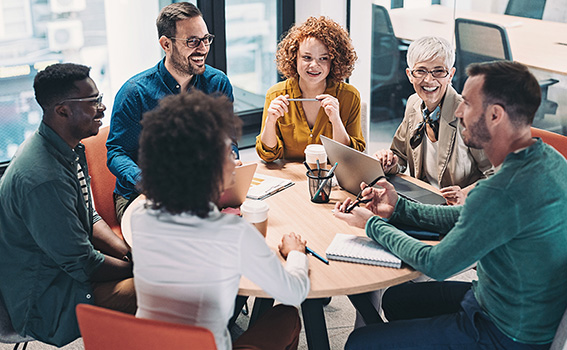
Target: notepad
point(362, 250)
point(263, 186)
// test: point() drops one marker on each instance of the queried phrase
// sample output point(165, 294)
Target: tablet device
point(236, 194)
point(355, 167)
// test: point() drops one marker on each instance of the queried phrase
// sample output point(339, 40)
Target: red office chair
point(104, 329)
point(557, 141)
point(102, 180)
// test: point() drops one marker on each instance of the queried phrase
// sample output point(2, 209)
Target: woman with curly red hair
point(315, 58)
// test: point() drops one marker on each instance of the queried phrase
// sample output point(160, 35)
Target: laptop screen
point(355, 167)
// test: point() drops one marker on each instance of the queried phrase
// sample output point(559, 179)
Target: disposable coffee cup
point(256, 213)
point(314, 152)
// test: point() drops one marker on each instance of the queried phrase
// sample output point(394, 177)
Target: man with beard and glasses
point(184, 37)
point(513, 224)
point(55, 250)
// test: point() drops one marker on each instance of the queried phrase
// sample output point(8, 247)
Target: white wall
point(361, 34)
point(132, 41)
point(335, 9)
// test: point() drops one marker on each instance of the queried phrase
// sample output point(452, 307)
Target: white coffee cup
point(256, 213)
point(314, 152)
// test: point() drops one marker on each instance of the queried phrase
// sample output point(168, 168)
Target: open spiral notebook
point(362, 250)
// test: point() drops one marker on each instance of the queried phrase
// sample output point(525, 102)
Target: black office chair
point(526, 8)
point(389, 84)
point(480, 42)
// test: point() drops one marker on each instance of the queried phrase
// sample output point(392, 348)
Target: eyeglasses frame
point(429, 72)
point(209, 37)
point(97, 99)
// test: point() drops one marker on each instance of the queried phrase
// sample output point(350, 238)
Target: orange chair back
point(102, 180)
point(104, 329)
point(559, 142)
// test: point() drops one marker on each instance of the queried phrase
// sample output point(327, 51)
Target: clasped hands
point(291, 241)
point(379, 201)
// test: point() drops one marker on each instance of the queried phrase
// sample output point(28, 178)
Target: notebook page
point(361, 250)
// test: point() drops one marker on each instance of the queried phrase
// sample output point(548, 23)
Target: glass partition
point(540, 43)
point(251, 40)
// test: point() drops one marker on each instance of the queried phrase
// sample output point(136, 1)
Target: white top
point(430, 163)
point(187, 269)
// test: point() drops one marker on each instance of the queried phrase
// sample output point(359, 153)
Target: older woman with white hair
point(429, 140)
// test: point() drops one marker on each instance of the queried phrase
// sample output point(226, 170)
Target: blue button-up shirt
point(138, 95)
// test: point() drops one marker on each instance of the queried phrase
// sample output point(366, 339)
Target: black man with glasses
point(186, 41)
point(55, 250)
point(429, 141)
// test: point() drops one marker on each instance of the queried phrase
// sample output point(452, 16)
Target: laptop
point(236, 194)
point(355, 167)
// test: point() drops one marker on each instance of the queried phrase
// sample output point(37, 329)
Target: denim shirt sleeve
point(122, 143)
point(214, 81)
point(58, 230)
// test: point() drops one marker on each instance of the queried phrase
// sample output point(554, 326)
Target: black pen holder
point(320, 185)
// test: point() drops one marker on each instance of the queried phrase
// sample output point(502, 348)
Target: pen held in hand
point(312, 252)
point(358, 199)
point(355, 204)
point(304, 99)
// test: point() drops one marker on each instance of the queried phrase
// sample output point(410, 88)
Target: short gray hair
point(428, 48)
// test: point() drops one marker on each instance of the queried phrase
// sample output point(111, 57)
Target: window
point(34, 34)
point(245, 46)
point(251, 42)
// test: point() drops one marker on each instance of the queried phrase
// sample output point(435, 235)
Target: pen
point(312, 252)
point(303, 99)
point(308, 168)
point(358, 200)
point(355, 204)
point(325, 181)
point(318, 168)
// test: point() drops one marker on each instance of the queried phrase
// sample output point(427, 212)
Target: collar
point(186, 218)
point(60, 146)
point(532, 150)
point(169, 80)
point(434, 116)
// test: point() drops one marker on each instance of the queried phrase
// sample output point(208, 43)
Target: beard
point(183, 65)
point(478, 134)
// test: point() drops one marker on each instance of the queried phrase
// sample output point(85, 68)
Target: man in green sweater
point(513, 224)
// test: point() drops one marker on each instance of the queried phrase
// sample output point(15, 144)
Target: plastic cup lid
point(315, 148)
point(254, 210)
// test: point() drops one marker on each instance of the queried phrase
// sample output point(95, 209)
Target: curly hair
point(335, 38)
point(183, 151)
point(56, 82)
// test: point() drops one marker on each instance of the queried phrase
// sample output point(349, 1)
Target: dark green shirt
point(515, 225)
point(46, 257)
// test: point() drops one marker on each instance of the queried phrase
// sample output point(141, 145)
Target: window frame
point(214, 15)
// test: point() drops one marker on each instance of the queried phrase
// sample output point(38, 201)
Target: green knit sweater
point(515, 225)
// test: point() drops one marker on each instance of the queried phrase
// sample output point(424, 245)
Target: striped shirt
point(85, 191)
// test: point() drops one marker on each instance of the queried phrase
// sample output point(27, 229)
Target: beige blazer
point(458, 164)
